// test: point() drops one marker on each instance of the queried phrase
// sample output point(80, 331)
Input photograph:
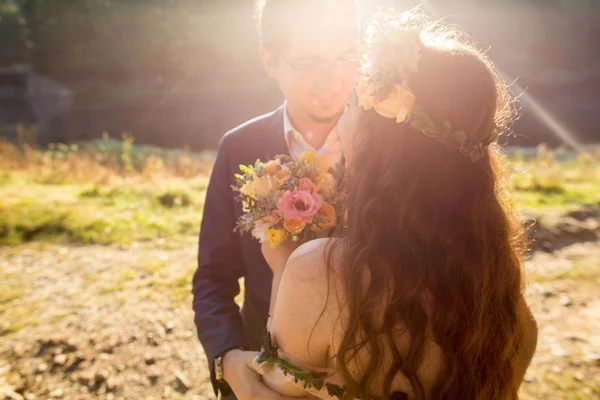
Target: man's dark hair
point(276, 16)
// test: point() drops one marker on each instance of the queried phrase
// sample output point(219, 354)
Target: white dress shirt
point(331, 149)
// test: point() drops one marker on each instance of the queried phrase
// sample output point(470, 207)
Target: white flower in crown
point(407, 44)
point(394, 47)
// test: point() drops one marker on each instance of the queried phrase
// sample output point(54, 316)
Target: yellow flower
point(327, 218)
point(246, 189)
point(312, 158)
point(262, 225)
point(397, 105)
point(294, 227)
point(276, 236)
point(260, 187)
point(324, 163)
point(309, 157)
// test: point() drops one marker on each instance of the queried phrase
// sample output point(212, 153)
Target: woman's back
point(324, 307)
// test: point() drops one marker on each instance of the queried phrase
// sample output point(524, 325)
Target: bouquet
point(286, 197)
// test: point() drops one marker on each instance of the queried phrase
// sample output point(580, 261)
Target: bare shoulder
point(309, 261)
point(312, 280)
point(302, 316)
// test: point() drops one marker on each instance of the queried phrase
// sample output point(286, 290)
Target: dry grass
point(111, 191)
point(99, 192)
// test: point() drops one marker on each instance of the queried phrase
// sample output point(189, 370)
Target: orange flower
point(283, 175)
point(272, 166)
point(294, 227)
point(326, 218)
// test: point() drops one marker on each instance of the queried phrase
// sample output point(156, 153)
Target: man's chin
point(326, 118)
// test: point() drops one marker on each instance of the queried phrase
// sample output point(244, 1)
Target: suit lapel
point(276, 137)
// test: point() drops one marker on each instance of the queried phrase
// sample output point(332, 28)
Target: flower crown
point(391, 54)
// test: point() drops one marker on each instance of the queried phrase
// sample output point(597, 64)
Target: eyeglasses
point(320, 67)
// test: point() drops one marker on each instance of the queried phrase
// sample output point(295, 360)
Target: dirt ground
point(102, 322)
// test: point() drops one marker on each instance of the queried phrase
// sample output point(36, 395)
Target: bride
point(419, 295)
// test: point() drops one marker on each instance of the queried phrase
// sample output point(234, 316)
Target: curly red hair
point(424, 221)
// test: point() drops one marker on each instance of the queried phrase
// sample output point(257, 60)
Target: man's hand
point(245, 383)
point(278, 257)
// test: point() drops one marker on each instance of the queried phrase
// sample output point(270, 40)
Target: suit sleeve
point(220, 265)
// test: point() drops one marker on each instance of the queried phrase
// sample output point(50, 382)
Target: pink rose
point(299, 205)
point(306, 184)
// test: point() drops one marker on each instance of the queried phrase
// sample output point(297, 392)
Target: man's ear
point(270, 62)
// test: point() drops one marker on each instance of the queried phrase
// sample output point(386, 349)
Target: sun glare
point(549, 120)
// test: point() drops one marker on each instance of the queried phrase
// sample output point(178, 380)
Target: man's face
point(317, 69)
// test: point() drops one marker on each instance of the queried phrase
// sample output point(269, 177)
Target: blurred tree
point(132, 62)
point(155, 41)
point(13, 34)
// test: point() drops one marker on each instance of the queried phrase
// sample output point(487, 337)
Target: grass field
point(98, 242)
point(99, 193)
point(111, 191)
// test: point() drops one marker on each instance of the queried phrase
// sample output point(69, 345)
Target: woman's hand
point(278, 257)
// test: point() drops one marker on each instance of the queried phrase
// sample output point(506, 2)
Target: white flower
point(407, 43)
point(260, 187)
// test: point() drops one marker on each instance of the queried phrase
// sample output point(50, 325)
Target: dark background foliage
point(178, 73)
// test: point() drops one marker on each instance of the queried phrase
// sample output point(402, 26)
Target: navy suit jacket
point(225, 256)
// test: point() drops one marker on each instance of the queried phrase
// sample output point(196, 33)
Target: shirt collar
point(292, 134)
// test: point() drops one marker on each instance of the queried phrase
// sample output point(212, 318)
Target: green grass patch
point(584, 273)
point(112, 191)
point(541, 182)
point(9, 294)
point(56, 318)
point(14, 314)
point(181, 288)
point(560, 385)
point(78, 214)
point(175, 198)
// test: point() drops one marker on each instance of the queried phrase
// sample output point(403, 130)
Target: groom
point(309, 48)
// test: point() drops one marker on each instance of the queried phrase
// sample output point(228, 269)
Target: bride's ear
point(270, 62)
